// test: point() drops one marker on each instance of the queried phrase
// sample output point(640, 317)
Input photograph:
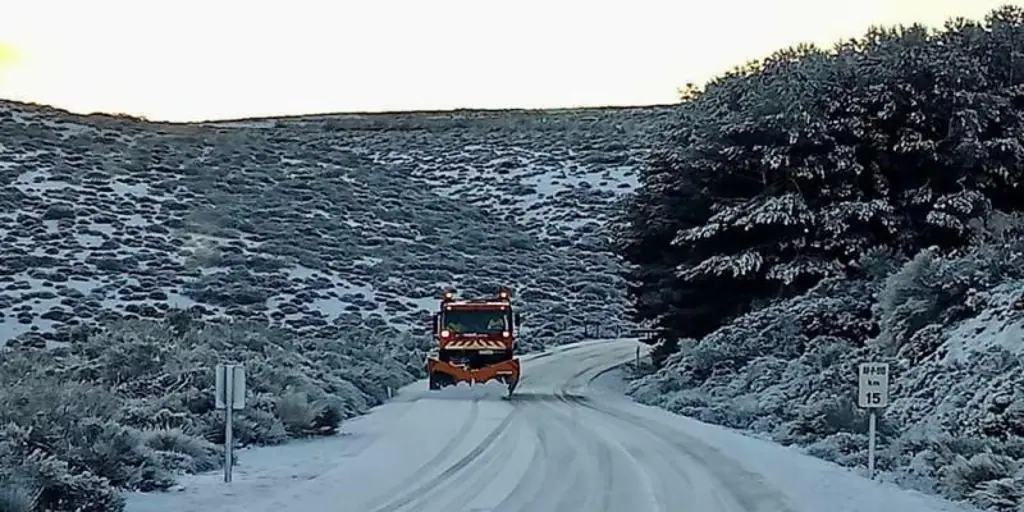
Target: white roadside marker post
point(230, 396)
point(872, 394)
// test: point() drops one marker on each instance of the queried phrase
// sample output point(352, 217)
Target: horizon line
point(339, 113)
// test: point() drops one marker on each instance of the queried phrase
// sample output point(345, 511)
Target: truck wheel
point(434, 382)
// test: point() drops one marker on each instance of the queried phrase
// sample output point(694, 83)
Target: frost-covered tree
point(662, 208)
point(785, 171)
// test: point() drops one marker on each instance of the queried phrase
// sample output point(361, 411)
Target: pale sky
point(188, 60)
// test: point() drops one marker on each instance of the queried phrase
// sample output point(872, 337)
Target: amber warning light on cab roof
point(504, 295)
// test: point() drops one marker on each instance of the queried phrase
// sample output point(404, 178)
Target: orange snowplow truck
point(475, 342)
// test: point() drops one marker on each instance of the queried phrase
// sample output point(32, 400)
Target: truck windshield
point(475, 322)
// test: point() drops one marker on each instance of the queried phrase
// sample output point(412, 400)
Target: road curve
point(561, 444)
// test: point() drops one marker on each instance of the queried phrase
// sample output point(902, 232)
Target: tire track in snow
point(645, 495)
point(569, 480)
point(445, 451)
point(739, 493)
point(415, 493)
point(603, 456)
point(463, 486)
point(744, 487)
point(569, 452)
point(655, 476)
point(573, 468)
point(601, 492)
point(553, 471)
point(659, 466)
point(532, 481)
point(603, 444)
point(666, 494)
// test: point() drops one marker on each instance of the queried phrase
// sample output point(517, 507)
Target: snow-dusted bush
point(133, 405)
point(30, 475)
point(927, 291)
point(1002, 494)
point(187, 454)
point(303, 417)
point(965, 476)
point(17, 495)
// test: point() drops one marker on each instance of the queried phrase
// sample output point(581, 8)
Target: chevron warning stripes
point(475, 345)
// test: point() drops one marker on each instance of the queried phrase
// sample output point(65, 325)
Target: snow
point(568, 441)
point(811, 482)
point(137, 189)
point(535, 187)
point(11, 328)
point(66, 128)
point(990, 329)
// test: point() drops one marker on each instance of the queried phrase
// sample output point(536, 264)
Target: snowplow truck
point(475, 342)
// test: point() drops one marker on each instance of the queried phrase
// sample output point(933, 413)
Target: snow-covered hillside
point(311, 225)
point(312, 249)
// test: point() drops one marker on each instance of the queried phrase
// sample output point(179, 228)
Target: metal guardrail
point(648, 336)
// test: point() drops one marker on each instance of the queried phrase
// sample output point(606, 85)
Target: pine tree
point(784, 171)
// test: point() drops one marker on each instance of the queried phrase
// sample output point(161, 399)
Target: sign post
point(230, 396)
point(872, 394)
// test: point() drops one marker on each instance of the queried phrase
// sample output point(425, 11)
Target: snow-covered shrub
point(909, 300)
point(198, 454)
point(934, 290)
point(296, 413)
point(844, 448)
point(739, 413)
point(17, 495)
point(79, 423)
point(1003, 494)
point(30, 475)
point(965, 476)
point(824, 418)
point(252, 426)
point(132, 406)
point(303, 417)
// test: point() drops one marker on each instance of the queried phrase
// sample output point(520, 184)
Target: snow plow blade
point(444, 374)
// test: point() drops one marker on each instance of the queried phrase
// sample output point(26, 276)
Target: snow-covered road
point(565, 442)
point(554, 449)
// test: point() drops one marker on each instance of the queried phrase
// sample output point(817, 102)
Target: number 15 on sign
point(873, 385)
